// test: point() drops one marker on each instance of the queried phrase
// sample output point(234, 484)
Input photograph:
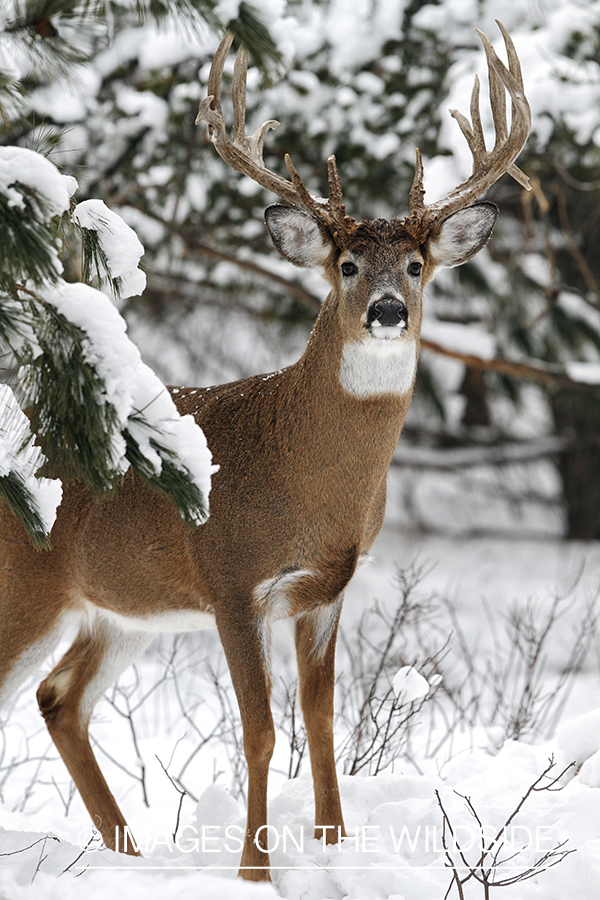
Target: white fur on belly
point(175, 620)
point(372, 367)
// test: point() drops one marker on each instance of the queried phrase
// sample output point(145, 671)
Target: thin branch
point(203, 249)
point(182, 793)
point(543, 373)
point(39, 841)
point(443, 459)
point(582, 263)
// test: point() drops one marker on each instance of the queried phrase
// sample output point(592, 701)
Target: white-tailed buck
point(300, 493)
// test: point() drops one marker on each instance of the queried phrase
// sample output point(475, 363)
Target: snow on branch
point(94, 407)
point(584, 372)
point(116, 402)
point(21, 169)
point(112, 250)
point(34, 500)
point(32, 194)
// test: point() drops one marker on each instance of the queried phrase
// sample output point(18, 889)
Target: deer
point(299, 496)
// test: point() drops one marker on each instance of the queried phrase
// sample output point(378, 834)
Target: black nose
point(387, 311)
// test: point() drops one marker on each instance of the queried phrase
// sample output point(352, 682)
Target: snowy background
point(471, 581)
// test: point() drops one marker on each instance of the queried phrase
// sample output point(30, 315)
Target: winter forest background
point(487, 573)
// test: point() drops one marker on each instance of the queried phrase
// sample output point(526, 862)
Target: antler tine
point(478, 137)
point(307, 201)
point(335, 183)
point(253, 144)
point(473, 130)
point(416, 202)
point(497, 96)
point(514, 64)
point(512, 80)
point(488, 166)
point(245, 153)
point(238, 95)
point(336, 203)
point(215, 77)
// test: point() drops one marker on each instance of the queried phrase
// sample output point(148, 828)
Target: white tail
point(300, 493)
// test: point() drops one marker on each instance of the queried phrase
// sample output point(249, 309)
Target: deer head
point(377, 269)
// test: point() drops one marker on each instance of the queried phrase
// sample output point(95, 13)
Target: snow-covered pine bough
point(300, 493)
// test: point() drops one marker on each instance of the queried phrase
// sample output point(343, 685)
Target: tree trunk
point(577, 418)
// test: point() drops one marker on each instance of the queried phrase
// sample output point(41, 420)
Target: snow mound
point(410, 685)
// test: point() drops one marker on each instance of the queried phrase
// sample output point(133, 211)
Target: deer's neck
point(369, 376)
point(348, 399)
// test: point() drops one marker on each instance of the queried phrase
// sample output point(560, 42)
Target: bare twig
point(182, 793)
point(488, 865)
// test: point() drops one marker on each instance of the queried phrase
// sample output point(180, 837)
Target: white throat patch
point(372, 367)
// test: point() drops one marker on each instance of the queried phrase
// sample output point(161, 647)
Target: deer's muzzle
point(388, 314)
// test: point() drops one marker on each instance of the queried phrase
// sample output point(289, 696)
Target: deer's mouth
point(387, 318)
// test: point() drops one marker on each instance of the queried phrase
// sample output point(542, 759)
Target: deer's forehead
point(380, 241)
point(378, 257)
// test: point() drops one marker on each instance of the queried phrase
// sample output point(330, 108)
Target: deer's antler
point(245, 152)
point(488, 165)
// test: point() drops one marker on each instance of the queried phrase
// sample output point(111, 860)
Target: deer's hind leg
point(316, 633)
point(33, 616)
point(67, 698)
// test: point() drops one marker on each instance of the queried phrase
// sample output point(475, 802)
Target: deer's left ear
point(462, 235)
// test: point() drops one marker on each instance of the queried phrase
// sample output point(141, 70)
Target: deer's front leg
point(316, 633)
point(245, 642)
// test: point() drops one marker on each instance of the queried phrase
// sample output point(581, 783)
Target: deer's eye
point(348, 269)
point(415, 269)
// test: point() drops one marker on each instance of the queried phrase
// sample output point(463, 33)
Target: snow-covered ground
point(395, 848)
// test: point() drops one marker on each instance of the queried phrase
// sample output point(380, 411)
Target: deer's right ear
point(297, 236)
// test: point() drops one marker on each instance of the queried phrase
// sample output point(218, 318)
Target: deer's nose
point(387, 311)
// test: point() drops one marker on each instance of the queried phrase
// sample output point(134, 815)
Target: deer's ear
point(462, 235)
point(297, 236)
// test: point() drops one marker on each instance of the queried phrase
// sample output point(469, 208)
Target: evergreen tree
point(93, 408)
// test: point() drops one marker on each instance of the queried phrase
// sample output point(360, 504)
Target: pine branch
point(32, 501)
point(76, 430)
point(27, 241)
point(55, 35)
point(15, 323)
point(58, 36)
point(173, 481)
point(21, 501)
point(248, 26)
point(95, 267)
point(12, 103)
